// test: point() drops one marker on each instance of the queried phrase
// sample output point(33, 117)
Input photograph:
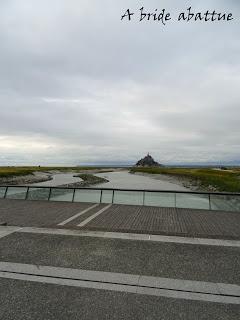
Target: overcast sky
point(79, 85)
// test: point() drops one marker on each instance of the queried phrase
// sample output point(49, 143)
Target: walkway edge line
point(170, 288)
point(129, 236)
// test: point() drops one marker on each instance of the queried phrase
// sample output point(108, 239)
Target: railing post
point(113, 196)
point(49, 196)
point(209, 198)
point(27, 193)
point(175, 199)
point(73, 195)
point(101, 196)
point(5, 194)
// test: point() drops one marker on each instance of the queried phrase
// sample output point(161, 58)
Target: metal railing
point(159, 198)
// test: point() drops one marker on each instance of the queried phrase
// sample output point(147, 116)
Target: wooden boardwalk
point(121, 218)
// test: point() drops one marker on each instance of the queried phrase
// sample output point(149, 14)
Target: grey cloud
point(81, 85)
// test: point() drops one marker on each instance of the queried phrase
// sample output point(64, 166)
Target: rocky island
point(148, 161)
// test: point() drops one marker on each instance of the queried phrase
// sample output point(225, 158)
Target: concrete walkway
point(122, 218)
point(70, 261)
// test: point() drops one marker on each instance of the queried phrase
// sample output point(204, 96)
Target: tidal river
point(121, 179)
point(126, 180)
point(117, 180)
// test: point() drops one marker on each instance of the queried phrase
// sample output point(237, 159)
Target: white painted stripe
point(172, 288)
point(77, 215)
point(4, 234)
point(83, 223)
point(134, 236)
point(9, 228)
point(5, 231)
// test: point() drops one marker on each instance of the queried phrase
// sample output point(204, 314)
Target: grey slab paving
point(23, 300)
point(123, 288)
point(64, 232)
point(120, 278)
point(233, 289)
point(69, 273)
point(167, 260)
point(188, 295)
point(176, 284)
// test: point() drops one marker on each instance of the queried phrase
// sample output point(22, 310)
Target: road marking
point(5, 231)
point(83, 223)
point(172, 288)
point(133, 236)
point(77, 215)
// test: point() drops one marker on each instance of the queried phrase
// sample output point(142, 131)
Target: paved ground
point(171, 260)
point(52, 268)
point(50, 302)
point(169, 221)
point(122, 218)
point(93, 277)
point(37, 213)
